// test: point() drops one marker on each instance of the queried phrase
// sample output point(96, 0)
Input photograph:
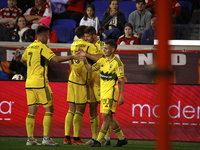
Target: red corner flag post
point(163, 70)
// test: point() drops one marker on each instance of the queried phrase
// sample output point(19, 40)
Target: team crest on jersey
point(102, 48)
point(120, 69)
point(110, 67)
point(101, 65)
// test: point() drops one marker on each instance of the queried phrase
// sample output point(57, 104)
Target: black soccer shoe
point(96, 144)
point(108, 143)
point(121, 142)
point(105, 143)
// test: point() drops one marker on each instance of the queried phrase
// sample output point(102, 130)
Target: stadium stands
point(100, 8)
point(64, 29)
point(186, 31)
point(186, 8)
point(3, 3)
point(65, 22)
point(127, 7)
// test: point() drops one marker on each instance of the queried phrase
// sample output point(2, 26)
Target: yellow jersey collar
point(111, 59)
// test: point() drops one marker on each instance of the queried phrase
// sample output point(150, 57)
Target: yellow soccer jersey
point(110, 72)
point(79, 74)
point(100, 46)
point(95, 76)
point(36, 56)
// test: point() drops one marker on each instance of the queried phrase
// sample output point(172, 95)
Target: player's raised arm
point(62, 58)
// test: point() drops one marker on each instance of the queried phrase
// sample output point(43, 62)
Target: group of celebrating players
point(94, 77)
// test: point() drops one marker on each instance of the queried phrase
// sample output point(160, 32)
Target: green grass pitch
point(18, 143)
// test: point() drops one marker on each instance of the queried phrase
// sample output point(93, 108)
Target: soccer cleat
point(67, 141)
point(32, 141)
point(49, 142)
point(96, 144)
point(121, 142)
point(77, 142)
point(90, 142)
point(106, 143)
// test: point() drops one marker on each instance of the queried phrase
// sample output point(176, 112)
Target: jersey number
point(31, 54)
point(106, 103)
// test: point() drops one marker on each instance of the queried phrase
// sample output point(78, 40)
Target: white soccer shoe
point(32, 141)
point(49, 142)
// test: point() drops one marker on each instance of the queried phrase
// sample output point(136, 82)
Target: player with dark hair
point(78, 87)
point(38, 90)
point(111, 70)
point(94, 84)
point(140, 18)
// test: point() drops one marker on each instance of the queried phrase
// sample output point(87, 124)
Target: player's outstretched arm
point(62, 58)
point(77, 56)
point(121, 91)
point(88, 66)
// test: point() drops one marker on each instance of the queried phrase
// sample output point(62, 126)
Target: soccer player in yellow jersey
point(38, 90)
point(111, 70)
point(91, 36)
point(77, 89)
point(94, 83)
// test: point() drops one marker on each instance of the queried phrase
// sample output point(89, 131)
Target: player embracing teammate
point(96, 84)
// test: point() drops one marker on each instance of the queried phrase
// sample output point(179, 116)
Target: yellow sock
point(119, 133)
point(68, 122)
point(30, 120)
point(109, 131)
point(47, 122)
point(107, 136)
point(78, 117)
point(94, 126)
point(101, 135)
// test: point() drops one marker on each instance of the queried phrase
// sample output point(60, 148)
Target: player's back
point(36, 56)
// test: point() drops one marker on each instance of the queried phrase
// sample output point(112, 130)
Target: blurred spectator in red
point(176, 12)
point(176, 8)
point(150, 6)
point(52, 35)
point(58, 8)
point(128, 38)
point(39, 11)
point(149, 2)
point(22, 33)
point(9, 14)
point(74, 9)
point(149, 34)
